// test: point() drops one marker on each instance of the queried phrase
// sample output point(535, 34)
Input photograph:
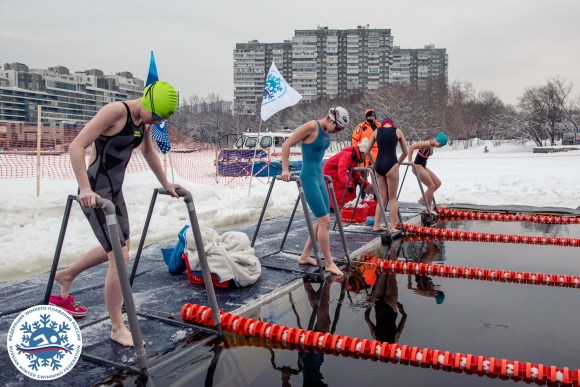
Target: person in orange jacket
point(365, 130)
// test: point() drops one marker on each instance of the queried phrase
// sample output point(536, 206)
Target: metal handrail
point(126, 281)
point(377, 194)
point(188, 199)
point(112, 227)
point(301, 198)
point(420, 186)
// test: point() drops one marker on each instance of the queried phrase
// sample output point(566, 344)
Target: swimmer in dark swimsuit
point(387, 168)
point(387, 308)
point(315, 137)
point(427, 177)
point(115, 131)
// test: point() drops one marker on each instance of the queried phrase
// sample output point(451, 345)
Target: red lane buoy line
point(494, 216)
point(473, 273)
point(489, 237)
point(373, 349)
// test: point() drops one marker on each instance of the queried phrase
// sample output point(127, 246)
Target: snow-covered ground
point(29, 226)
point(507, 174)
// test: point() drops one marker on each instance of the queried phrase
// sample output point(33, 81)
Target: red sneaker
point(73, 308)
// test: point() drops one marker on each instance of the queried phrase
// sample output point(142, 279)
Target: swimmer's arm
point(369, 322)
point(368, 151)
point(153, 161)
point(420, 145)
point(402, 322)
point(403, 144)
point(417, 145)
point(105, 120)
point(300, 134)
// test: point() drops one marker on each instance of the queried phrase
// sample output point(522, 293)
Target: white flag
point(277, 95)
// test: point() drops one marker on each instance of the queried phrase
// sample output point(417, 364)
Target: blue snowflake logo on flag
point(160, 134)
point(272, 86)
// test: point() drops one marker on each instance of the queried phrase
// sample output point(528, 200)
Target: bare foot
point(421, 201)
point(64, 283)
point(332, 268)
point(433, 212)
point(307, 261)
point(394, 230)
point(379, 228)
point(123, 336)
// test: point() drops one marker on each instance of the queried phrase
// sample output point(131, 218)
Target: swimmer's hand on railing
point(87, 198)
point(171, 188)
point(286, 175)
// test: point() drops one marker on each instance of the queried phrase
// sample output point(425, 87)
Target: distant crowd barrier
point(23, 156)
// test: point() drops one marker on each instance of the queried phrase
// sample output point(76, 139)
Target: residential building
point(418, 65)
point(332, 63)
point(71, 99)
point(338, 63)
point(252, 62)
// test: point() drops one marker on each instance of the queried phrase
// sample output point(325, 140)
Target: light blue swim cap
point(440, 297)
point(441, 138)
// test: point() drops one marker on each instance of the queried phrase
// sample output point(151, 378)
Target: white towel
point(229, 255)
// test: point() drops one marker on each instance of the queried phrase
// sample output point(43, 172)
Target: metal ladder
point(308, 222)
point(129, 305)
point(337, 209)
point(430, 219)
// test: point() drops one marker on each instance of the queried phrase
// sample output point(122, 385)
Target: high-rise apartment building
point(252, 61)
point(418, 65)
point(337, 63)
point(333, 63)
point(65, 98)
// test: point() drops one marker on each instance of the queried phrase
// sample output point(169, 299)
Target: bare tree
point(562, 91)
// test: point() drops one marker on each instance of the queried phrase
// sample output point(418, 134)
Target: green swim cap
point(442, 138)
point(160, 98)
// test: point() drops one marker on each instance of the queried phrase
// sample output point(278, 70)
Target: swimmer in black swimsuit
point(387, 308)
point(387, 168)
point(427, 177)
point(115, 131)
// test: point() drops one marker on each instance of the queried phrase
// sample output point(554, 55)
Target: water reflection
point(310, 363)
point(513, 228)
point(424, 285)
point(385, 300)
point(372, 304)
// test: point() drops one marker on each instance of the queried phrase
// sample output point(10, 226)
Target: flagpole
point(277, 95)
point(38, 144)
point(254, 158)
point(165, 164)
point(171, 164)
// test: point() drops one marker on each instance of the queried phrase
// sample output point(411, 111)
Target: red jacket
point(338, 168)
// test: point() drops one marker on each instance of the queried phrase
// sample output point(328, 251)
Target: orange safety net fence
point(192, 160)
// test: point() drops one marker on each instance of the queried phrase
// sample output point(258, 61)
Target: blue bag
point(172, 257)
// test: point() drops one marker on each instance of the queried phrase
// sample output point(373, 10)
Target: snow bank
point(29, 226)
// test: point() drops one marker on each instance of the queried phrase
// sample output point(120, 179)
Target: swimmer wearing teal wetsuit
point(315, 137)
point(311, 174)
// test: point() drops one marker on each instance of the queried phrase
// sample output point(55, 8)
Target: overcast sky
point(498, 45)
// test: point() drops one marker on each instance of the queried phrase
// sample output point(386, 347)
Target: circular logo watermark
point(44, 342)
